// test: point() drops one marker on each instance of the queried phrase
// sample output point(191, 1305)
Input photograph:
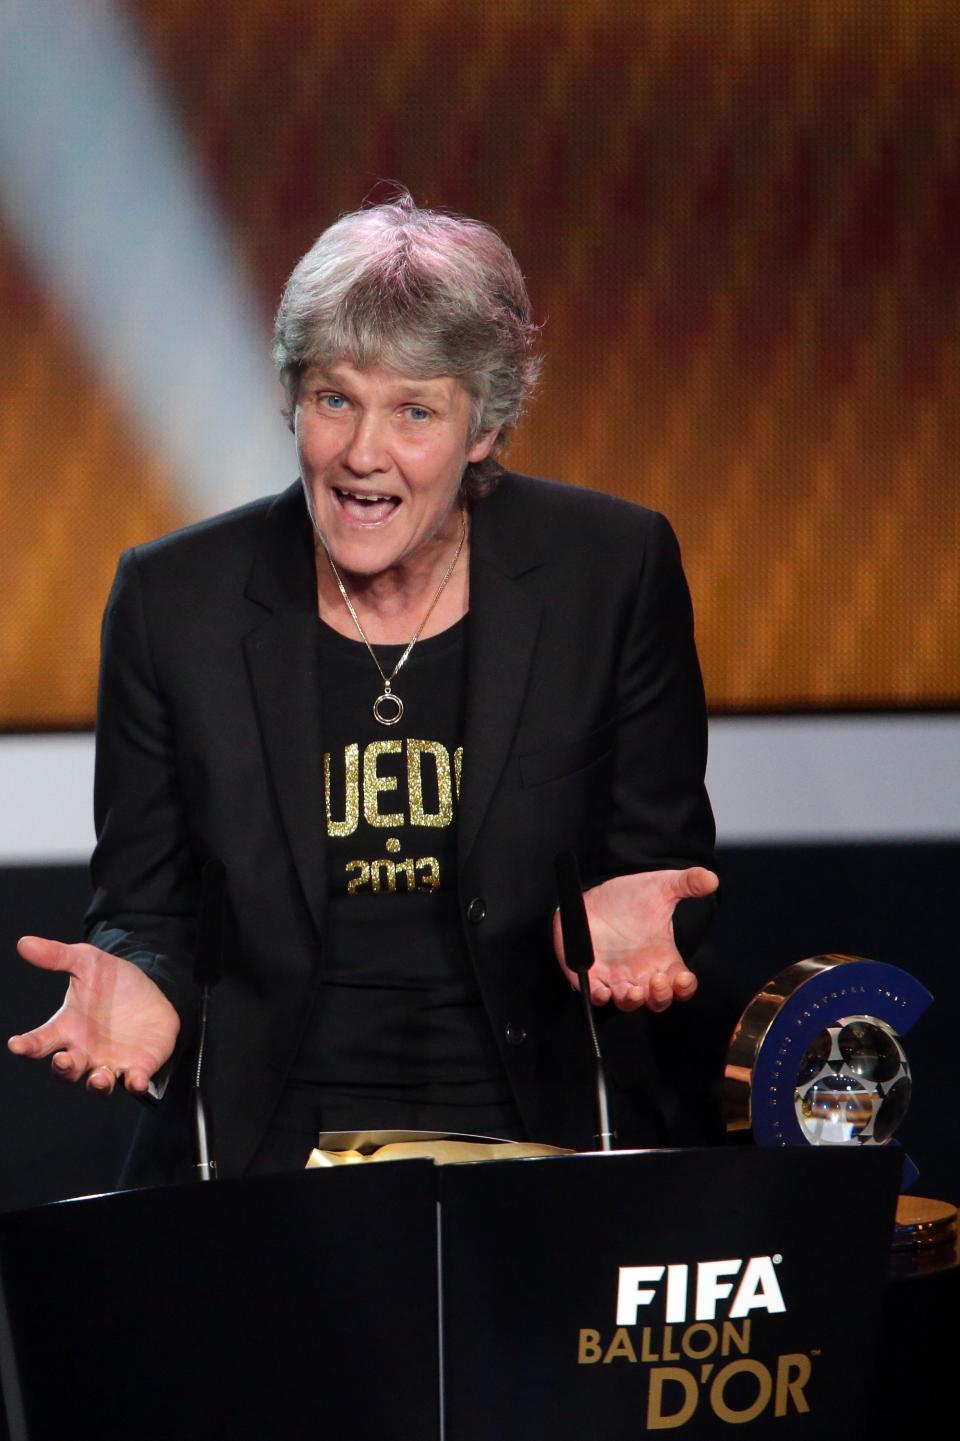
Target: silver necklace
point(388, 707)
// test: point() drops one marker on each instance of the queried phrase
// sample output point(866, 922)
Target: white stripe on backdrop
point(772, 779)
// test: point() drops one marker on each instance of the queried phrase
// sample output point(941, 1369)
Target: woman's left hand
point(636, 961)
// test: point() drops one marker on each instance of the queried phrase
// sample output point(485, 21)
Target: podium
point(569, 1298)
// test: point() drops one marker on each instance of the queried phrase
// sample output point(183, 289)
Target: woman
point(385, 700)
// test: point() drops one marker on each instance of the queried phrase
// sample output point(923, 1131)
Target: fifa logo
point(749, 1285)
point(699, 1359)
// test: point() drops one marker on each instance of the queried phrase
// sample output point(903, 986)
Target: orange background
point(740, 222)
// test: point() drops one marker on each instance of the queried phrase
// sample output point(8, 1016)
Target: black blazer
point(585, 730)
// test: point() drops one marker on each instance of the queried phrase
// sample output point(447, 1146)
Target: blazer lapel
point(502, 627)
point(283, 661)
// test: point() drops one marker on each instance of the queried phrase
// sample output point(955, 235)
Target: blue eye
point(418, 412)
point(331, 401)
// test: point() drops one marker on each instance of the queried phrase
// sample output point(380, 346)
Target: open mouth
point(367, 508)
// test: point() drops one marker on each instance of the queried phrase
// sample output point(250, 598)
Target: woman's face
point(381, 456)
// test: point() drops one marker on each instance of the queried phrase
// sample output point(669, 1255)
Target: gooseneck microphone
point(578, 955)
point(207, 962)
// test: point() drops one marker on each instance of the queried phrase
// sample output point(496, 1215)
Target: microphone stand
point(204, 1165)
point(579, 957)
point(207, 962)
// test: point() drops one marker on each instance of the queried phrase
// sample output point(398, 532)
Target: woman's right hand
point(114, 1022)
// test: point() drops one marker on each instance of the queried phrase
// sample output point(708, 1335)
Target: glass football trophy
point(817, 1059)
point(853, 1085)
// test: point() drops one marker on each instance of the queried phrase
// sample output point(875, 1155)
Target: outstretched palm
point(113, 1018)
point(631, 925)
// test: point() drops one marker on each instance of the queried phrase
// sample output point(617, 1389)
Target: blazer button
point(515, 1034)
point(476, 910)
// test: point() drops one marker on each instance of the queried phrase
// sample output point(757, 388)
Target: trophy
point(817, 1059)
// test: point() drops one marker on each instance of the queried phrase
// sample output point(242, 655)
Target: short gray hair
point(425, 293)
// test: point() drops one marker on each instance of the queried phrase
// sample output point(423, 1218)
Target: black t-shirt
point(398, 1035)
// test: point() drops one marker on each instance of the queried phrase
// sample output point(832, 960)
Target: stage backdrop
point(740, 221)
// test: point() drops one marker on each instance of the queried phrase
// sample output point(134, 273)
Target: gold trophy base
point(924, 1237)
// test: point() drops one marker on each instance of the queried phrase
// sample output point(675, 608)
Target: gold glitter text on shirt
point(374, 783)
point(351, 805)
point(384, 874)
point(377, 775)
point(418, 816)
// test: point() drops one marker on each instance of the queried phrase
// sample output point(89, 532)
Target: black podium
point(569, 1298)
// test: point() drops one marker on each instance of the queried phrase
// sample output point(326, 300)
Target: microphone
point(208, 957)
point(578, 954)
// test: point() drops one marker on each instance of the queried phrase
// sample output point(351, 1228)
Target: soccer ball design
point(853, 1086)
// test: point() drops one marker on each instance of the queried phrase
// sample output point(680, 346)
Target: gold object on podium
point(350, 1148)
point(925, 1237)
point(923, 1223)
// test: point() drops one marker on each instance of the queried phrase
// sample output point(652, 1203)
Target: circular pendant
point(387, 708)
